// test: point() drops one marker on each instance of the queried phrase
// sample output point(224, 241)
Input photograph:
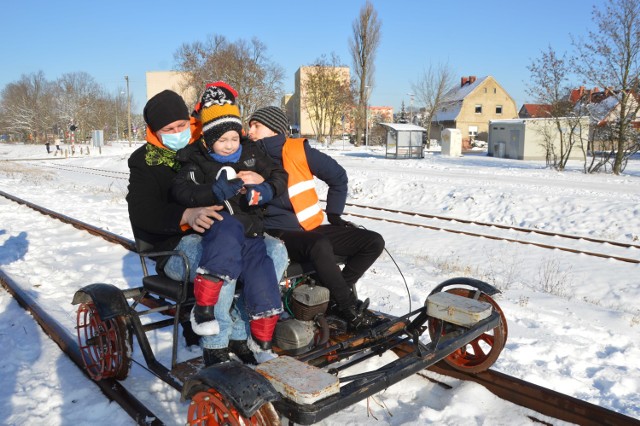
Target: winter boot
point(215, 356)
point(261, 335)
point(190, 337)
point(206, 289)
point(358, 317)
point(242, 351)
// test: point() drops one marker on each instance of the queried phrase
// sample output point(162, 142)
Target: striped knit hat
point(273, 118)
point(218, 112)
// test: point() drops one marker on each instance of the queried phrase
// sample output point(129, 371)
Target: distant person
point(296, 218)
point(233, 249)
point(156, 217)
point(48, 145)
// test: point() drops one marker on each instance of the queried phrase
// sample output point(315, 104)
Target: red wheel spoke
point(210, 408)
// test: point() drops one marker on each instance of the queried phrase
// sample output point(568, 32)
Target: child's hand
point(259, 194)
point(224, 189)
point(250, 178)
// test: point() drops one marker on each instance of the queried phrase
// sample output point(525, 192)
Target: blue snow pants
point(227, 253)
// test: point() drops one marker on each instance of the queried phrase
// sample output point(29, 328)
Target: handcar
point(459, 323)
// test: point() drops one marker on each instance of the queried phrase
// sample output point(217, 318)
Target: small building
point(403, 140)
point(531, 138)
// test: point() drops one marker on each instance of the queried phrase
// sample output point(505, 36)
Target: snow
point(574, 320)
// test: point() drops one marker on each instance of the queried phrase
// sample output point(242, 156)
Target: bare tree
point(609, 59)
point(244, 65)
point(326, 95)
point(429, 91)
point(363, 47)
point(549, 85)
point(81, 101)
point(27, 106)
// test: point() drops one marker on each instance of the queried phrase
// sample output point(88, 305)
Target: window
point(498, 109)
point(473, 131)
point(478, 109)
point(494, 91)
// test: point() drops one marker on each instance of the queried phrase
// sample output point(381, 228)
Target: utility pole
point(126, 78)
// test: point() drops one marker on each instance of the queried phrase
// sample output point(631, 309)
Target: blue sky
point(111, 39)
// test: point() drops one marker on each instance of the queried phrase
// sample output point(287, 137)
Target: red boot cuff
point(262, 328)
point(206, 289)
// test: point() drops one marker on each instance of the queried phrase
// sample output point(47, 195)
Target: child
point(234, 248)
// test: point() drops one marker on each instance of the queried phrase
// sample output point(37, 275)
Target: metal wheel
point(479, 354)
point(211, 408)
point(105, 346)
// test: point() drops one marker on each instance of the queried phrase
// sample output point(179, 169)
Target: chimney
point(463, 81)
point(472, 78)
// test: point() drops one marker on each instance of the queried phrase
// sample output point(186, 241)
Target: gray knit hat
point(273, 118)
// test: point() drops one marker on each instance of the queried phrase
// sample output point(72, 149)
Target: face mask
point(176, 141)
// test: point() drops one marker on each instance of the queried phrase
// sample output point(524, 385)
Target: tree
point(549, 86)
point(610, 58)
point(81, 101)
point(327, 95)
point(429, 91)
point(27, 106)
point(244, 65)
point(363, 47)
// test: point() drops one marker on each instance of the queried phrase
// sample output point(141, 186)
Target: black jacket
point(280, 213)
point(155, 215)
point(192, 186)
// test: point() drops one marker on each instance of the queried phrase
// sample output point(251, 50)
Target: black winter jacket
point(192, 186)
point(280, 213)
point(155, 215)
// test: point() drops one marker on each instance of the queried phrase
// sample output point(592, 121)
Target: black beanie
point(273, 118)
point(164, 108)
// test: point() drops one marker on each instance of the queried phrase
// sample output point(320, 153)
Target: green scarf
point(156, 156)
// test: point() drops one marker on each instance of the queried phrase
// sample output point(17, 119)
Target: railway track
point(536, 398)
point(466, 227)
point(459, 226)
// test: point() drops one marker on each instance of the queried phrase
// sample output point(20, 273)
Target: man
point(296, 218)
point(156, 217)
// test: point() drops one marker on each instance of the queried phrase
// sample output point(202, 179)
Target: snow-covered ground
point(574, 320)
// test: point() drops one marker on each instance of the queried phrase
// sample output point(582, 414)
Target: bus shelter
point(404, 140)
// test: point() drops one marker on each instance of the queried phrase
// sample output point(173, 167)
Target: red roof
point(537, 110)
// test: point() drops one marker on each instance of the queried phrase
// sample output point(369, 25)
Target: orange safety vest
point(302, 187)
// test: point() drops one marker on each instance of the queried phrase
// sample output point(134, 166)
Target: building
point(532, 138)
point(157, 81)
point(470, 106)
point(294, 104)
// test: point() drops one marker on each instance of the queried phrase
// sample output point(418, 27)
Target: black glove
point(259, 194)
point(224, 189)
point(335, 219)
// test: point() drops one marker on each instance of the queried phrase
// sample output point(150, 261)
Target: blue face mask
point(176, 141)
